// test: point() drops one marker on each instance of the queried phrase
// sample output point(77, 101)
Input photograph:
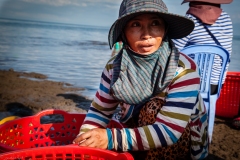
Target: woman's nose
point(146, 32)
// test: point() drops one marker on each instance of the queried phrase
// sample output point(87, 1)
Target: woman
point(155, 85)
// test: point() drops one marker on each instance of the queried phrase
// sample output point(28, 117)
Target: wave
point(50, 25)
point(85, 43)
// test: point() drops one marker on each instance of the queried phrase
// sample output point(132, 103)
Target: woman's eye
point(156, 23)
point(135, 24)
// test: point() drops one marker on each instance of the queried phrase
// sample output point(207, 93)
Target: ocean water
point(75, 54)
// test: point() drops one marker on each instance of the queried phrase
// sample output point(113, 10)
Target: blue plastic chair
point(203, 55)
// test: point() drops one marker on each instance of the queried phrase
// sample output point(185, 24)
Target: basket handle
point(38, 116)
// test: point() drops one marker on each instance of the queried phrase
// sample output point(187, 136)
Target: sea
point(69, 53)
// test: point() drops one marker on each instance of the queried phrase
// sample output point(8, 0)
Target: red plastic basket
point(29, 132)
point(228, 103)
point(69, 152)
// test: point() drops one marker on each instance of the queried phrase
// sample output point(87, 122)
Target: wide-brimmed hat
point(178, 26)
point(210, 1)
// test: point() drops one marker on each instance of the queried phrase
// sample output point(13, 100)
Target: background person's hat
point(210, 1)
point(178, 26)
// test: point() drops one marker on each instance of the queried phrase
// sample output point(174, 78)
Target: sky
point(87, 12)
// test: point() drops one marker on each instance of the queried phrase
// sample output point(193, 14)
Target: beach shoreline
point(24, 94)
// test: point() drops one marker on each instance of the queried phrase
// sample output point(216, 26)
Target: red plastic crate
point(29, 132)
point(70, 152)
point(228, 103)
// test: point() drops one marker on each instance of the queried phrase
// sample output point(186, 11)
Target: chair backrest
point(204, 55)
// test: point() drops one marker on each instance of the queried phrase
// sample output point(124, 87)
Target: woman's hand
point(96, 138)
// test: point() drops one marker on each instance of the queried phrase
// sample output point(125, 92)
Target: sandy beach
point(23, 94)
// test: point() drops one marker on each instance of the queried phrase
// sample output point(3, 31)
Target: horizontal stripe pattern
point(223, 32)
point(182, 106)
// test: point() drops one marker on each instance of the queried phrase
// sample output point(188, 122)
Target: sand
point(26, 94)
point(23, 94)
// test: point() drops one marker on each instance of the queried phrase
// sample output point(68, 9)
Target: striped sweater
point(183, 105)
point(222, 31)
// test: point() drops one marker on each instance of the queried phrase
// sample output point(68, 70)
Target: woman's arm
point(103, 105)
point(93, 132)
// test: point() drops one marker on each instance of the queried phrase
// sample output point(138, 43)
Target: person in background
point(212, 26)
point(156, 86)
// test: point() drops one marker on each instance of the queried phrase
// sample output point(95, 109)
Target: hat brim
point(178, 26)
point(209, 1)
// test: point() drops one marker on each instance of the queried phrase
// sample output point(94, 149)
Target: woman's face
point(144, 33)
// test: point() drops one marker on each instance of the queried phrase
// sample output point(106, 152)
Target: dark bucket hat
point(178, 26)
point(210, 1)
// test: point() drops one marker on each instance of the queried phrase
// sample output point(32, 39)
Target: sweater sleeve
point(103, 105)
point(173, 117)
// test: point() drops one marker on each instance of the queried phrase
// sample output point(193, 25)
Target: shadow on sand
point(18, 109)
point(81, 102)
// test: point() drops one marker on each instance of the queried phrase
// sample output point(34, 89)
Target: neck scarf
point(137, 78)
point(208, 13)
